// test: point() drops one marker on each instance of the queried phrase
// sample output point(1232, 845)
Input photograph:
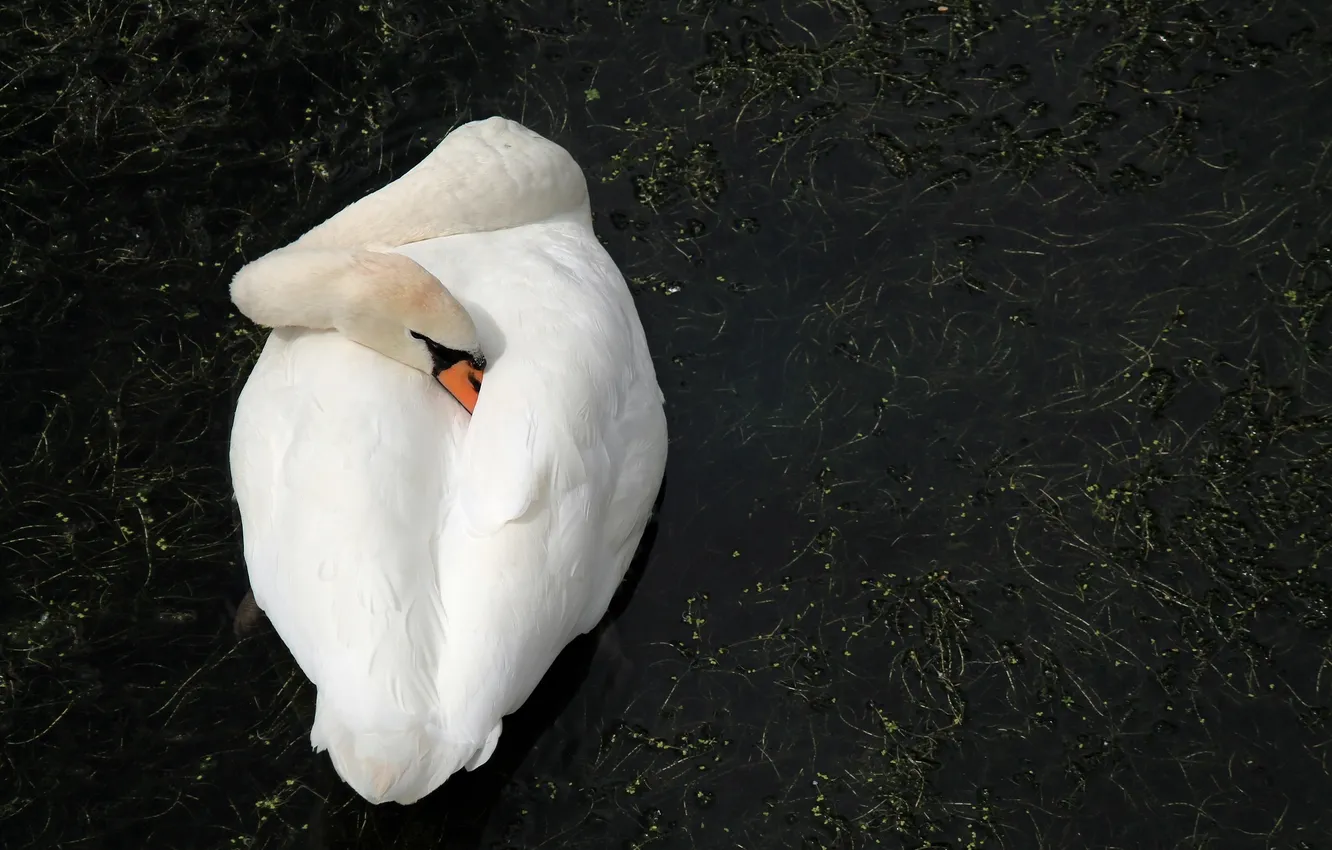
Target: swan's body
point(424, 566)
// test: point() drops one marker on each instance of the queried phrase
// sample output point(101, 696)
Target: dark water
point(995, 341)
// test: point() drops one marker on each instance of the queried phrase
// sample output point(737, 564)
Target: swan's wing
point(558, 384)
point(570, 417)
point(339, 510)
point(341, 459)
point(506, 457)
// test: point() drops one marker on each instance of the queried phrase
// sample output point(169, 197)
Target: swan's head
point(404, 312)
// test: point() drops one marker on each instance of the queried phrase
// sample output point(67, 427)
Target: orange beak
point(463, 382)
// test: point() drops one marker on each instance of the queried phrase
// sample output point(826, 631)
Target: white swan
point(425, 566)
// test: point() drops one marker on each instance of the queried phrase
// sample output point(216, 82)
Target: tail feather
point(395, 765)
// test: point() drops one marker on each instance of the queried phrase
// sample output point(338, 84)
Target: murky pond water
point(995, 346)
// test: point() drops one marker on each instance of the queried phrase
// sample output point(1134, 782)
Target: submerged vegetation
point(995, 341)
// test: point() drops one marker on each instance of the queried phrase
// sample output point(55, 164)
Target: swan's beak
point(463, 381)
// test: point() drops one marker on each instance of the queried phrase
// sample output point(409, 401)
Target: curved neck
point(486, 175)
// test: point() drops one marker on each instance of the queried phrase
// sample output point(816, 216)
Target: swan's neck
point(486, 175)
